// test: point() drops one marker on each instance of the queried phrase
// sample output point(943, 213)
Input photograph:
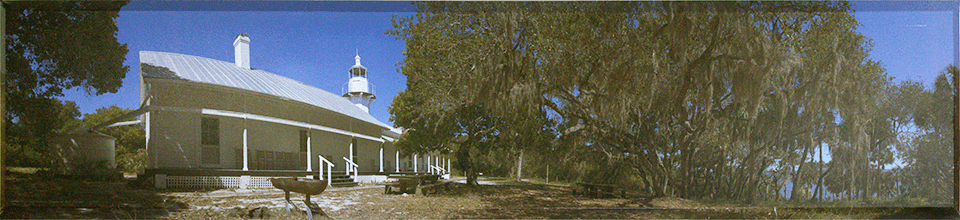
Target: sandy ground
point(364, 202)
point(28, 196)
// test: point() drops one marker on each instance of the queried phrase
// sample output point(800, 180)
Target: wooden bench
point(403, 185)
point(409, 183)
point(434, 188)
point(429, 179)
point(598, 190)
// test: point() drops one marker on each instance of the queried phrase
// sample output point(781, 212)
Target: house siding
point(174, 140)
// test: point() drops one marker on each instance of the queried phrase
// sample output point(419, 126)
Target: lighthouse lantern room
point(358, 89)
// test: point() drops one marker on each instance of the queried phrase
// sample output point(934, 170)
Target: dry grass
point(28, 196)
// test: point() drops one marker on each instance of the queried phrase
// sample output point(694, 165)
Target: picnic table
point(598, 190)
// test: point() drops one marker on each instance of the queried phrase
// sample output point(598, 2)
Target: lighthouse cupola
point(358, 89)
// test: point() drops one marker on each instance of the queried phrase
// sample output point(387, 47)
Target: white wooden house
point(211, 123)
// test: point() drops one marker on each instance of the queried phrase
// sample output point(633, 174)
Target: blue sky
point(313, 47)
point(315, 42)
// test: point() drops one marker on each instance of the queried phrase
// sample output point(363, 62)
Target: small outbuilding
point(81, 150)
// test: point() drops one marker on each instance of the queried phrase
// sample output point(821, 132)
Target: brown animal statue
point(307, 187)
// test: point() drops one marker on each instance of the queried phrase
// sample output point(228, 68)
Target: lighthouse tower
point(358, 90)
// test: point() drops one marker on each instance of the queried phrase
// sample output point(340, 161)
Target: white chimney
point(241, 51)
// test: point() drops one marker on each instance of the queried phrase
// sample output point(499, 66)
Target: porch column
point(381, 158)
point(309, 162)
point(397, 159)
point(429, 169)
point(414, 163)
point(245, 150)
point(351, 158)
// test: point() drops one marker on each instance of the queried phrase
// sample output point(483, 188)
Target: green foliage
point(715, 100)
point(452, 102)
point(28, 138)
point(927, 155)
point(53, 46)
point(133, 162)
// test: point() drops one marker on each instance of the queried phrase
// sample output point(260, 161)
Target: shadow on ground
point(524, 200)
point(922, 213)
point(39, 195)
point(520, 200)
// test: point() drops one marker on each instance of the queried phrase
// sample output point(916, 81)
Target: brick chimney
point(241, 51)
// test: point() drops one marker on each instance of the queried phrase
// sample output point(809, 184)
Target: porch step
point(344, 184)
point(341, 180)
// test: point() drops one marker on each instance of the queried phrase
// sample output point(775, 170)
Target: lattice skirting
point(256, 182)
point(259, 182)
point(203, 182)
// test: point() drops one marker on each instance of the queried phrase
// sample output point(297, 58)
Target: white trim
point(263, 118)
point(437, 169)
point(388, 139)
point(309, 162)
point(123, 123)
point(351, 166)
point(329, 168)
point(351, 152)
point(116, 121)
point(245, 150)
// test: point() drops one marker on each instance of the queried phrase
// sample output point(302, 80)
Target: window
point(303, 141)
point(210, 141)
point(210, 131)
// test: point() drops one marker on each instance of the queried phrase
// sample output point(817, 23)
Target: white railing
point(329, 169)
point(351, 167)
point(439, 170)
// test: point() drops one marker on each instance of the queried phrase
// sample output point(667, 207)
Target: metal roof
point(206, 70)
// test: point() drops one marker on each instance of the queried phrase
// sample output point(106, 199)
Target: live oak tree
point(52, 47)
point(713, 100)
point(927, 154)
point(57, 116)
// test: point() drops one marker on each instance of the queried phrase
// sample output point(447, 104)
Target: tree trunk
point(820, 182)
point(798, 174)
point(520, 165)
point(463, 159)
point(818, 191)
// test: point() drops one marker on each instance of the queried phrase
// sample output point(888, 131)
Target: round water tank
point(83, 151)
